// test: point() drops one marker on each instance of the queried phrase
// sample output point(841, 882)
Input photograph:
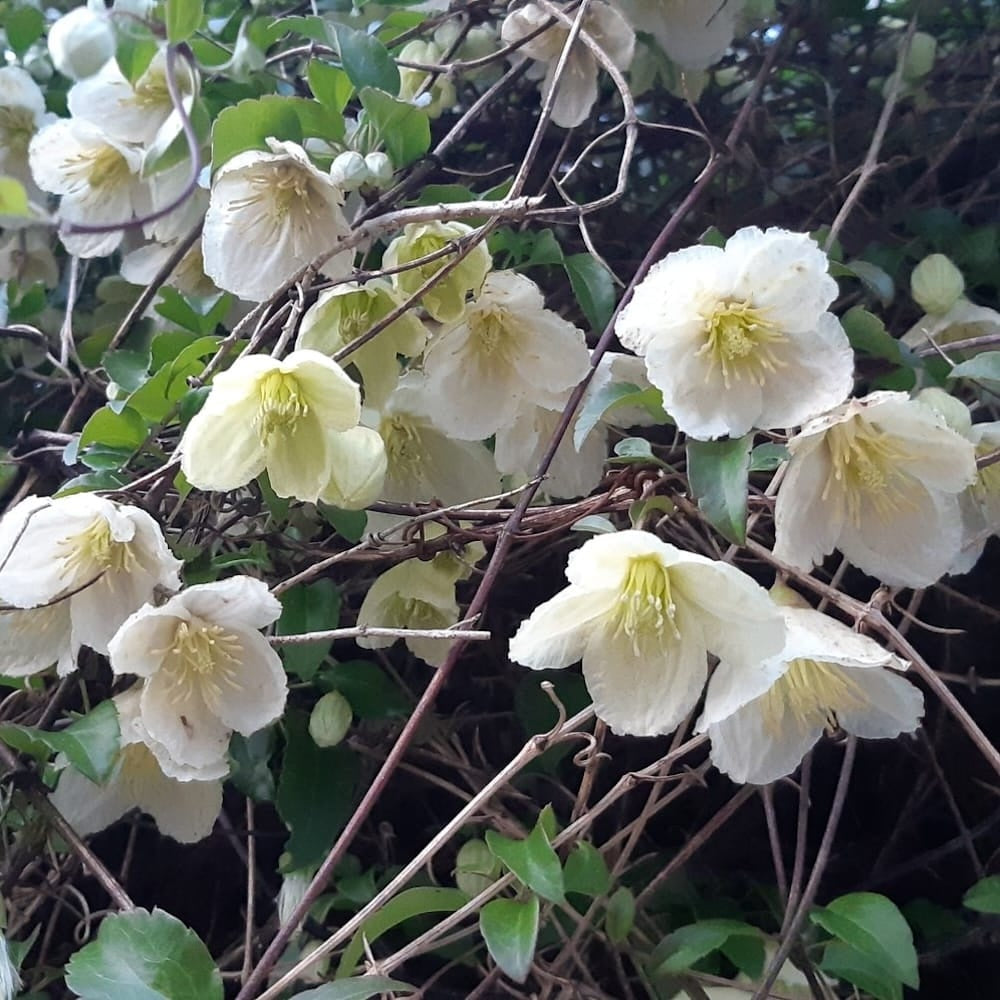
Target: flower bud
point(330, 719)
point(936, 284)
point(476, 867)
point(348, 170)
point(80, 43)
point(920, 59)
point(380, 169)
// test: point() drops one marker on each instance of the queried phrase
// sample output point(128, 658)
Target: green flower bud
point(476, 867)
point(330, 719)
point(936, 284)
point(920, 59)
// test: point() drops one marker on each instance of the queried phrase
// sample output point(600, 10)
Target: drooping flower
point(963, 321)
point(739, 337)
point(81, 42)
point(182, 799)
point(275, 415)
point(642, 615)
point(32, 640)
point(97, 176)
point(507, 351)
point(827, 677)
point(343, 313)
point(878, 478)
point(208, 669)
point(578, 83)
point(440, 95)
point(445, 301)
point(100, 559)
point(358, 468)
point(22, 114)
point(269, 215)
point(694, 34)
point(417, 594)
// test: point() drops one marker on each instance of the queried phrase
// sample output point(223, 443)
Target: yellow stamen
point(741, 343)
point(203, 659)
point(281, 404)
point(811, 692)
point(403, 450)
point(99, 167)
point(646, 606)
point(93, 551)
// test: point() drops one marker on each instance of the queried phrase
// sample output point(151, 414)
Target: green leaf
point(369, 689)
point(718, 471)
point(594, 524)
point(532, 860)
point(126, 429)
point(361, 988)
point(330, 86)
point(313, 27)
point(867, 335)
point(24, 26)
point(984, 896)
point(183, 18)
point(586, 871)
point(620, 915)
point(128, 368)
point(349, 524)
point(313, 819)
point(841, 961)
point(90, 744)
point(768, 456)
point(872, 924)
point(510, 930)
point(144, 956)
point(250, 770)
point(593, 288)
point(14, 197)
point(134, 54)
point(409, 903)
point(983, 367)
point(160, 394)
point(405, 129)
point(596, 405)
point(365, 59)
point(679, 950)
point(308, 607)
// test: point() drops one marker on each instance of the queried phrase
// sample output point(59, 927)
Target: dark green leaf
point(183, 18)
point(128, 368)
point(841, 961)
point(596, 405)
point(718, 471)
point(371, 692)
point(144, 956)
point(768, 456)
point(868, 335)
point(983, 367)
point(409, 903)
point(678, 951)
point(404, 129)
point(250, 770)
point(313, 819)
point(330, 86)
point(349, 524)
point(593, 288)
point(620, 915)
point(872, 924)
point(984, 896)
point(126, 429)
point(361, 988)
point(24, 26)
point(586, 871)
point(313, 27)
point(308, 607)
point(365, 59)
point(595, 524)
point(532, 860)
point(510, 930)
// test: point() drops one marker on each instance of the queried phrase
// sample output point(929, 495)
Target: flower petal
point(557, 632)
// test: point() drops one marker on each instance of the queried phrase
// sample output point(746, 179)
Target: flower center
point(741, 343)
point(203, 659)
point(866, 464)
point(646, 606)
point(402, 447)
point(101, 167)
point(281, 404)
point(810, 692)
point(492, 333)
point(93, 552)
point(17, 126)
point(290, 188)
point(411, 612)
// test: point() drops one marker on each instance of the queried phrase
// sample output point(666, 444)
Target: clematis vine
point(208, 671)
point(738, 338)
point(642, 615)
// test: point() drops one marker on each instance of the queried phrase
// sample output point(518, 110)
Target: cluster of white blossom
point(82, 570)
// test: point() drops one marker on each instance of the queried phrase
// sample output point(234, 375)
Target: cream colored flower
point(879, 478)
point(208, 669)
point(22, 114)
point(97, 176)
point(963, 321)
point(578, 83)
point(32, 641)
point(762, 722)
point(506, 352)
point(358, 468)
point(693, 33)
point(739, 337)
point(445, 301)
point(643, 615)
point(936, 284)
point(275, 415)
point(437, 98)
point(347, 311)
point(269, 215)
point(81, 42)
point(97, 559)
point(183, 800)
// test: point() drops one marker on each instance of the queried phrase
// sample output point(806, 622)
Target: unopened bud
point(920, 59)
point(936, 284)
point(330, 719)
point(348, 170)
point(380, 169)
point(80, 43)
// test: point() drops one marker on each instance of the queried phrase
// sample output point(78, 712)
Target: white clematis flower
point(347, 311)
point(99, 559)
point(507, 350)
point(208, 669)
point(694, 34)
point(963, 321)
point(740, 338)
point(879, 478)
point(31, 641)
point(183, 800)
point(22, 114)
point(81, 42)
point(269, 215)
point(358, 468)
point(763, 722)
point(578, 83)
point(97, 176)
point(980, 503)
point(275, 415)
point(642, 615)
